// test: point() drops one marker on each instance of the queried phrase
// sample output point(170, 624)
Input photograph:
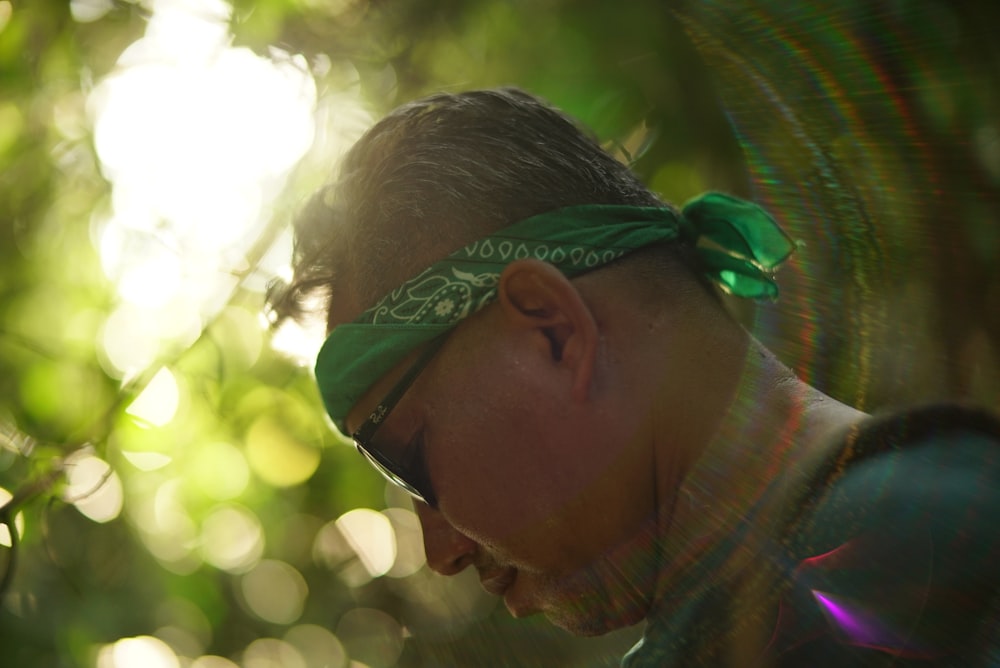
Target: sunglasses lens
point(393, 472)
point(410, 476)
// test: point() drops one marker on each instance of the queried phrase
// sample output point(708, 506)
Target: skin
point(562, 427)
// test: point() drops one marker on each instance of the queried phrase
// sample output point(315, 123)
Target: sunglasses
point(403, 466)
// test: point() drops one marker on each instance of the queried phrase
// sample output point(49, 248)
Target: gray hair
point(438, 173)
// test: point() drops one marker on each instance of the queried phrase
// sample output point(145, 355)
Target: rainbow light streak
point(829, 106)
point(862, 628)
point(821, 560)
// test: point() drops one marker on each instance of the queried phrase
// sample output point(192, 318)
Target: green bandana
point(749, 245)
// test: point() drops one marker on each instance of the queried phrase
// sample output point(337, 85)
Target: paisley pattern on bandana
point(442, 299)
point(435, 299)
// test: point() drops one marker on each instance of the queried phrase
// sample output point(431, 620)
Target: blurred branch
point(33, 488)
point(29, 345)
point(24, 444)
point(11, 565)
point(16, 440)
point(8, 513)
point(131, 389)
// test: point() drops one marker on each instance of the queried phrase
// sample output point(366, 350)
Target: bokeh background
point(175, 496)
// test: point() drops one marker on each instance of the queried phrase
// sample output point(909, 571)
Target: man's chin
point(583, 604)
point(596, 623)
point(576, 622)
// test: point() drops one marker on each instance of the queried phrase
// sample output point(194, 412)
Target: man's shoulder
point(941, 423)
point(897, 554)
point(935, 466)
point(886, 451)
point(889, 558)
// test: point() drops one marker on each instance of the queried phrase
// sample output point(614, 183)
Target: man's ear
point(535, 295)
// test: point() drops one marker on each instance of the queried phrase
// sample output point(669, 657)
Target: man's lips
point(497, 582)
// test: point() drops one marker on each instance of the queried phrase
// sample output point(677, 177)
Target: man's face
point(550, 499)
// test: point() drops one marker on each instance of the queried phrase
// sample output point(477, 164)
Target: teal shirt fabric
point(893, 558)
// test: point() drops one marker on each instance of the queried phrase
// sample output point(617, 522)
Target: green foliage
point(240, 484)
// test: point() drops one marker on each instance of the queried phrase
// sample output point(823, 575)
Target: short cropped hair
point(439, 173)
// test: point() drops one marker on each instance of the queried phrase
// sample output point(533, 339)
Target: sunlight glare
point(232, 539)
point(145, 651)
point(93, 487)
point(182, 641)
point(166, 528)
point(146, 461)
point(197, 138)
point(5, 537)
point(297, 342)
point(276, 456)
point(88, 11)
point(371, 535)
point(219, 470)
point(330, 548)
point(153, 281)
point(197, 129)
point(371, 635)
point(128, 342)
point(409, 542)
point(275, 591)
point(131, 336)
point(157, 403)
point(317, 645)
point(6, 9)
point(272, 653)
point(212, 661)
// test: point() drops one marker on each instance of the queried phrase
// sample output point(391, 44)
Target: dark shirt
point(889, 556)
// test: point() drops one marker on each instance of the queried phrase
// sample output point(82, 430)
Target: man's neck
point(765, 424)
point(772, 408)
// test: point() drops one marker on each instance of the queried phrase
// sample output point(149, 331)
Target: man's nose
point(448, 550)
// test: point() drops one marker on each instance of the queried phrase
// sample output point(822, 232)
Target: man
point(530, 342)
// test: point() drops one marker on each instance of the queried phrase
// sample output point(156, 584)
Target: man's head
point(438, 173)
point(533, 421)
